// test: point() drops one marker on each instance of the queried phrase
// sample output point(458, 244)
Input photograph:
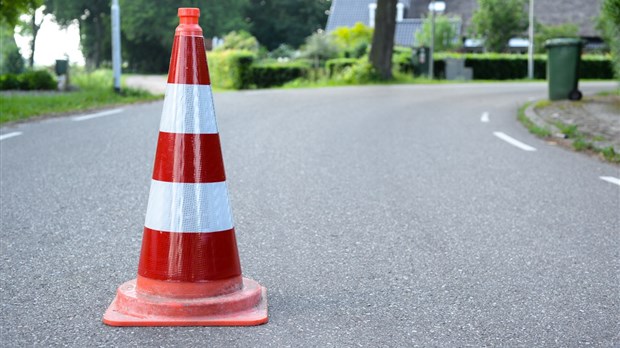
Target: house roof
point(405, 31)
point(345, 13)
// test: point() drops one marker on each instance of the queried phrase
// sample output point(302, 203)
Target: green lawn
point(94, 91)
point(14, 107)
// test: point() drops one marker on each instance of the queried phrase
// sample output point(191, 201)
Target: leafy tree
point(609, 25)
point(10, 10)
point(383, 38)
point(31, 26)
point(11, 61)
point(497, 21)
point(149, 30)
point(546, 32)
point(240, 40)
point(283, 51)
point(446, 38)
point(275, 22)
point(93, 17)
point(319, 47)
point(353, 41)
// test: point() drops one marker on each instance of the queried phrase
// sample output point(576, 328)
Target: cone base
point(246, 307)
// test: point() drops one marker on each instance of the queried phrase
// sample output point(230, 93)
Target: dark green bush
point(495, 66)
point(596, 67)
point(30, 80)
point(503, 67)
point(337, 65)
point(37, 80)
point(9, 81)
point(402, 60)
point(243, 72)
point(269, 75)
point(231, 68)
point(13, 61)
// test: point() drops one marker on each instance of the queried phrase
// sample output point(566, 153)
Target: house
point(345, 13)
point(410, 15)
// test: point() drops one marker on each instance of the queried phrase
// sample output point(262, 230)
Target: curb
point(558, 137)
point(531, 114)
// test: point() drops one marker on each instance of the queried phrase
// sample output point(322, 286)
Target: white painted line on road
point(99, 114)
point(485, 117)
point(9, 135)
point(514, 142)
point(611, 179)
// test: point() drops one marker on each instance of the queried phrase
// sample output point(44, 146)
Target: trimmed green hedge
point(495, 66)
point(231, 68)
point(277, 74)
point(235, 69)
point(337, 65)
point(29, 80)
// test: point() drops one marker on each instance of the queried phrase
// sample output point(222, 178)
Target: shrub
point(446, 35)
point(99, 79)
point(9, 81)
point(268, 75)
point(30, 80)
point(283, 51)
point(38, 80)
point(609, 25)
point(13, 61)
point(239, 40)
point(319, 47)
point(401, 59)
point(360, 73)
point(353, 41)
point(231, 68)
point(596, 67)
point(335, 66)
point(546, 32)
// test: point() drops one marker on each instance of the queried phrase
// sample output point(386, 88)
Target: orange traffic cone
point(189, 272)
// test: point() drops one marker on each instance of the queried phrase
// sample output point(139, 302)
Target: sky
point(52, 42)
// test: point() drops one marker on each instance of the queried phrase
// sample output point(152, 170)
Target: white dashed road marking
point(99, 114)
point(514, 142)
point(611, 179)
point(485, 117)
point(9, 135)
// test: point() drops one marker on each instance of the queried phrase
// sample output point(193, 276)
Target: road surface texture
point(381, 216)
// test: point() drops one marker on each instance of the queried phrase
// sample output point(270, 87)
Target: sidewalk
point(590, 124)
point(156, 84)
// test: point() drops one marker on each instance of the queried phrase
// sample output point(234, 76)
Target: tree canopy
point(274, 22)
point(446, 36)
point(148, 28)
point(10, 10)
point(497, 21)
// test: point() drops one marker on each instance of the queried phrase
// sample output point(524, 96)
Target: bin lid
point(563, 42)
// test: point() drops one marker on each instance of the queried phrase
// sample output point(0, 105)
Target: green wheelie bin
point(420, 60)
point(563, 60)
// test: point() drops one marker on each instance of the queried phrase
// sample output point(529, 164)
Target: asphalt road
point(384, 216)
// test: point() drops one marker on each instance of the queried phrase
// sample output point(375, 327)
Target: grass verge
point(576, 139)
point(530, 125)
point(94, 91)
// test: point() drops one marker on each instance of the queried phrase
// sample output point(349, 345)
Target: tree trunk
point(383, 38)
point(35, 30)
point(98, 48)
